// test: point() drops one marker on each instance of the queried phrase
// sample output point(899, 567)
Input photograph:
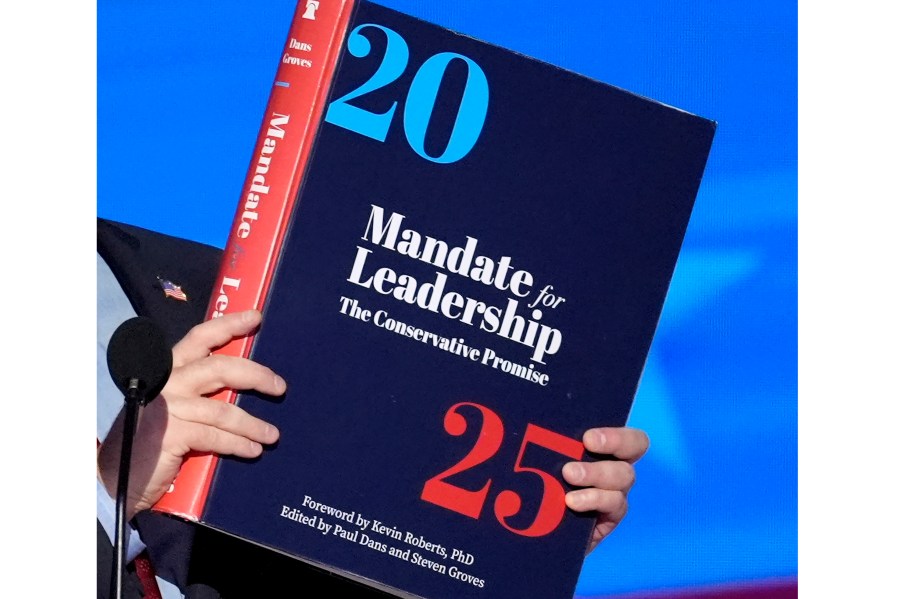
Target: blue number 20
point(420, 99)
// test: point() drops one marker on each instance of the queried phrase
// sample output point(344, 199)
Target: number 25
point(508, 503)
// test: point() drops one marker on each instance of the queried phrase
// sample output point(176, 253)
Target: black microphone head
point(138, 352)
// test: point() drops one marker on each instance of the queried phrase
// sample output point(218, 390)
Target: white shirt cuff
point(106, 514)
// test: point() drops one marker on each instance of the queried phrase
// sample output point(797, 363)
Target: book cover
point(464, 274)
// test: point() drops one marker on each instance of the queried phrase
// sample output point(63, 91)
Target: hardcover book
point(461, 254)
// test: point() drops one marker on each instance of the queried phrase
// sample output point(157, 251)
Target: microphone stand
point(140, 362)
point(133, 399)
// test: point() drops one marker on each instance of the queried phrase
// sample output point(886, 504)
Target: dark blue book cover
point(471, 278)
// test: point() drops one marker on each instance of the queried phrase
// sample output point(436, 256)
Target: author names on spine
point(376, 535)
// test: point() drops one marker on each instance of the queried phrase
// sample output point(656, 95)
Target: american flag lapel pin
point(171, 289)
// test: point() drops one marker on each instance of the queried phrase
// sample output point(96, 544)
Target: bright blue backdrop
point(181, 90)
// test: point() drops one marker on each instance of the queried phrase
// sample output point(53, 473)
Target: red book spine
point(293, 114)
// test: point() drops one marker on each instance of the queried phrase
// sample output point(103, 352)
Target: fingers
point(221, 442)
point(209, 335)
point(623, 443)
point(612, 504)
point(605, 483)
point(606, 474)
point(209, 425)
point(226, 417)
point(215, 372)
point(611, 508)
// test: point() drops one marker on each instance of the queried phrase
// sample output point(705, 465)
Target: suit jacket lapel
point(139, 258)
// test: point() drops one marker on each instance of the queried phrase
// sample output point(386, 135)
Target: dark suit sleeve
point(242, 570)
point(131, 584)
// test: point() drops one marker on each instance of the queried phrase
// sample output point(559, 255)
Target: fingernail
point(597, 440)
point(271, 433)
point(574, 472)
point(280, 385)
point(574, 500)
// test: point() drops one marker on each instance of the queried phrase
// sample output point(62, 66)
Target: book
point(461, 254)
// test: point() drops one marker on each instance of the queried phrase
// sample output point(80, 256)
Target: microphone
point(139, 359)
point(139, 362)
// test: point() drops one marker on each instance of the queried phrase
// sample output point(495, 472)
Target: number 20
point(420, 99)
point(508, 503)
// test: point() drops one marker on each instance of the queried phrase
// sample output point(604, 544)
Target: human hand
point(182, 419)
point(607, 482)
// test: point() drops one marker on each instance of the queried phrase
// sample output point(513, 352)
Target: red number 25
point(508, 503)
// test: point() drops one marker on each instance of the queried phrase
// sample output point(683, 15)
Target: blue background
point(181, 91)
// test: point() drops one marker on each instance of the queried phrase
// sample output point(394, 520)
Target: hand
point(608, 481)
point(181, 419)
